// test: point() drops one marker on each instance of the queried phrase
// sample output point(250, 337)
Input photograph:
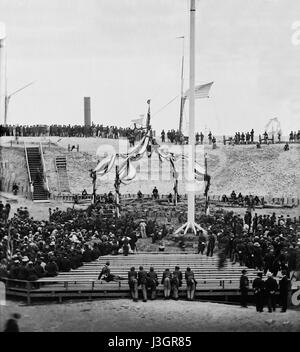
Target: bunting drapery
point(105, 165)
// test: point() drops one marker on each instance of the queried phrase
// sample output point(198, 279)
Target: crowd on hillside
point(70, 131)
point(244, 137)
point(131, 133)
point(176, 137)
point(294, 136)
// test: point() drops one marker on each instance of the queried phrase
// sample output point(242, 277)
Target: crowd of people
point(244, 137)
point(294, 136)
point(70, 131)
point(65, 241)
point(265, 291)
point(31, 249)
point(247, 200)
point(177, 137)
point(263, 242)
point(148, 281)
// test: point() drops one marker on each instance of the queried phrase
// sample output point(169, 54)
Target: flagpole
point(191, 166)
point(181, 89)
point(191, 148)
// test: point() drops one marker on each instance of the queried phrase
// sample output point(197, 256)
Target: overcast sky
point(122, 52)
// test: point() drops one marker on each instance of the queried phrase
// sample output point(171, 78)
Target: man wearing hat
point(259, 287)
point(176, 282)
point(152, 282)
point(190, 283)
point(244, 287)
point(166, 281)
point(271, 288)
point(284, 287)
point(142, 281)
point(23, 272)
point(133, 284)
point(14, 269)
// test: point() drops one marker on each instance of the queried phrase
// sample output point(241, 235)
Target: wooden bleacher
point(83, 282)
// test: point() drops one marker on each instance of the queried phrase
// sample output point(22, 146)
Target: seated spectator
point(84, 194)
point(155, 193)
point(233, 196)
point(15, 188)
point(51, 268)
point(224, 198)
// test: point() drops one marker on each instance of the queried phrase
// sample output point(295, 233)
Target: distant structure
point(273, 127)
point(2, 73)
point(87, 111)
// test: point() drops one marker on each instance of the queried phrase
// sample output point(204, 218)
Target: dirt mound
point(268, 171)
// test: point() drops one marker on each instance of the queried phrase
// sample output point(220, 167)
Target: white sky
point(122, 52)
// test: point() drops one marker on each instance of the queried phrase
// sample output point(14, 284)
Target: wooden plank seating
point(83, 282)
point(205, 269)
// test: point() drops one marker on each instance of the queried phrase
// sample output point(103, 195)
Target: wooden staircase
point(34, 163)
point(62, 174)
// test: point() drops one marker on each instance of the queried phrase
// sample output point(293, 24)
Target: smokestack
point(87, 111)
point(2, 73)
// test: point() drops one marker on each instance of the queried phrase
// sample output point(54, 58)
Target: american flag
point(140, 121)
point(201, 91)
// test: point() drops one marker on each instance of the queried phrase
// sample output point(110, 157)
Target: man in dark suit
point(142, 282)
point(258, 287)
point(152, 282)
point(190, 284)
point(133, 283)
point(244, 287)
point(271, 289)
point(284, 287)
point(176, 282)
point(211, 245)
point(166, 281)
